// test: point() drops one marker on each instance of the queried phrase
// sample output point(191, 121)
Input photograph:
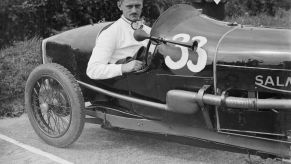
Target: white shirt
point(115, 43)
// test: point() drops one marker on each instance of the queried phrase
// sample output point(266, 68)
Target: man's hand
point(132, 66)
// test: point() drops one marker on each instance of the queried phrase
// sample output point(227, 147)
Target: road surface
point(97, 145)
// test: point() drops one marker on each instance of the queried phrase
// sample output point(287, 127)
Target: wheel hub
point(44, 107)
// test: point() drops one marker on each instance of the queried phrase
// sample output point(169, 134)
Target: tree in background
point(22, 19)
point(254, 7)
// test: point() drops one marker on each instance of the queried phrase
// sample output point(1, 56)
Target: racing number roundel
point(184, 60)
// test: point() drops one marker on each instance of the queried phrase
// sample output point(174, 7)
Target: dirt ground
point(97, 145)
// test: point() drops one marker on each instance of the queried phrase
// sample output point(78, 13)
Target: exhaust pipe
point(235, 102)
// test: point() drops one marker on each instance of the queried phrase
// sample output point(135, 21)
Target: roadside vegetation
point(282, 19)
point(16, 62)
point(25, 19)
point(269, 14)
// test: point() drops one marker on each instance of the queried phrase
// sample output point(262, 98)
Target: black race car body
point(214, 81)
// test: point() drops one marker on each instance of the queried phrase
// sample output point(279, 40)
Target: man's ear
point(119, 4)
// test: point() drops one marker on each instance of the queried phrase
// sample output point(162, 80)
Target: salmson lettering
point(273, 83)
point(184, 60)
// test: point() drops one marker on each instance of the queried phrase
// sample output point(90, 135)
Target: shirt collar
point(129, 21)
point(126, 20)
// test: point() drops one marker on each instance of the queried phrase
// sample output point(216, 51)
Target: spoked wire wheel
point(54, 104)
point(51, 107)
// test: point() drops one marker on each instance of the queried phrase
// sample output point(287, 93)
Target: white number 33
point(184, 60)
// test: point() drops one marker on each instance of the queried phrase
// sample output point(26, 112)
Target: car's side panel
point(254, 79)
point(255, 59)
point(256, 47)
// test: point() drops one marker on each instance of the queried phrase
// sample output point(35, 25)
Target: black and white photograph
point(145, 81)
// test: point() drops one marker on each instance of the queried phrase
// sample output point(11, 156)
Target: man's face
point(131, 9)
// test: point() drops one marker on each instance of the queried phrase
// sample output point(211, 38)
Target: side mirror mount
point(140, 35)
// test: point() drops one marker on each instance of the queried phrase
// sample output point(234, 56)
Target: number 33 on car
point(184, 60)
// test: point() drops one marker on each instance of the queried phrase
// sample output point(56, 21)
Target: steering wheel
point(146, 59)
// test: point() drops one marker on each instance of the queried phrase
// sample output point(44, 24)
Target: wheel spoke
point(41, 89)
point(45, 122)
point(48, 122)
point(35, 92)
point(64, 127)
point(59, 106)
point(59, 123)
point(46, 91)
point(55, 122)
point(65, 121)
point(38, 84)
point(51, 90)
point(62, 122)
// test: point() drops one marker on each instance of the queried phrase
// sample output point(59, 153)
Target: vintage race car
point(225, 85)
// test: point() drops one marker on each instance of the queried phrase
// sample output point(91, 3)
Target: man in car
point(116, 43)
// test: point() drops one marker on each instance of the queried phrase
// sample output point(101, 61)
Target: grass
point(282, 19)
point(16, 62)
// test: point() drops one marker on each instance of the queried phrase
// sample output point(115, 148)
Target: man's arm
point(98, 67)
point(106, 44)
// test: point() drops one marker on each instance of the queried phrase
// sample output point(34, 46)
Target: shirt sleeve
point(98, 65)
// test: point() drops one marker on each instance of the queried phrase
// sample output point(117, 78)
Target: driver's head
point(131, 9)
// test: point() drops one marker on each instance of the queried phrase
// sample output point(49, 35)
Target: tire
point(54, 104)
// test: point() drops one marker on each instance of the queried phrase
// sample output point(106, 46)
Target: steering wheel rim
point(146, 57)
